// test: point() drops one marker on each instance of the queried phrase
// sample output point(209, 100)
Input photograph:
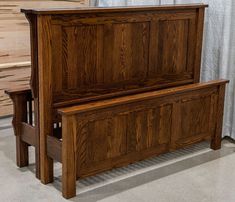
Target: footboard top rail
point(139, 97)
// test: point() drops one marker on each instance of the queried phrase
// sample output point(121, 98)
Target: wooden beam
point(54, 148)
point(28, 134)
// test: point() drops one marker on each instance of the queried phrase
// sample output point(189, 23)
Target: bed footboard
point(106, 134)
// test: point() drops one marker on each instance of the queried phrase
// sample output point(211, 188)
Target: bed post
point(19, 99)
point(68, 156)
point(216, 139)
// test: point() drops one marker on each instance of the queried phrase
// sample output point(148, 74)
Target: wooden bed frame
point(94, 68)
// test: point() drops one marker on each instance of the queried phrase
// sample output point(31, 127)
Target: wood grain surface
point(119, 133)
point(121, 53)
point(15, 76)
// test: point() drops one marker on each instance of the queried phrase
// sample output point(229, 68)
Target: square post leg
point(216, 139)
point(68, 158)
point(20, 115)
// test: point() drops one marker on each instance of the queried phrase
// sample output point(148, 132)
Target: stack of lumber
point(15, 44)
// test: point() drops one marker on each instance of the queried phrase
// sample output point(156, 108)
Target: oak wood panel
point(112, 130)
point(176, 31)
point(121, 53)
point(194, 116)
point(192, 110)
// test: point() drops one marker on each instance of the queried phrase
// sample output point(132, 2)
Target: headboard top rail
point(101, 9)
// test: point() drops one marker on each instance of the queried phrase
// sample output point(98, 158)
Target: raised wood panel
point(101, 139)
point(195, 118)
point(195, 113)
point(97, 142)
point(104, 56)
point(81, 68)
point(173, 43)
point(112, 134)
point(117, 131)
point(129, 43)
point(94, 57)
point(172, 46)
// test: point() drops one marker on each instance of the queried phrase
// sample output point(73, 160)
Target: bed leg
point(68, 158)
point(216, 140)
point(22, 156)
point(20, 115)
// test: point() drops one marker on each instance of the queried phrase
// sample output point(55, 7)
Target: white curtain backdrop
point(218, 60)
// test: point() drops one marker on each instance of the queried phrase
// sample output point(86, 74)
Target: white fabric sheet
point(218, 59)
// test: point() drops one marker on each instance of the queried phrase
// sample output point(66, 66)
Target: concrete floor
point(194, 174)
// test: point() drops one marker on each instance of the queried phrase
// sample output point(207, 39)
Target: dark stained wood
point(34, 54)
point(54, 148)
point(138, 97)
point(68, 158)
point(216, 139)
point(92, 9)
point(198, 50)
point(24, 126)
point(105, 134)
point(20, 115)
point(122, 53)
point(28, 134)
point(34, 80)
point(16, 91)
point(117, 94)
point(37, 141)
point(45, 96)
